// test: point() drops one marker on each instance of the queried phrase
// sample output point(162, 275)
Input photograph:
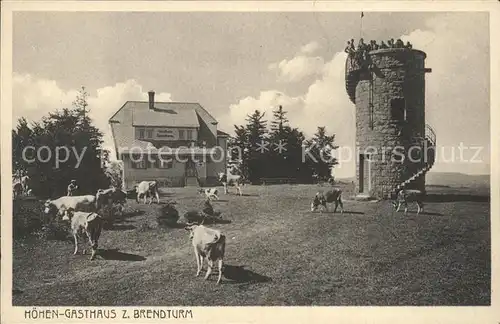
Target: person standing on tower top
point(361, 44)
point(349, 49)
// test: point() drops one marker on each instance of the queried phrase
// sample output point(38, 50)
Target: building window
point(189, 134)
point(149, 133)
point(165, 162)
point(398, 109)
point(138, 162)
point(141, 133)
point(181, 134)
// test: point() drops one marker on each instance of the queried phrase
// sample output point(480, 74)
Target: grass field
point(277, 253)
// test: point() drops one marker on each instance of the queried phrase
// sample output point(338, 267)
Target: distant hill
point(455, 179)
point(450, 179)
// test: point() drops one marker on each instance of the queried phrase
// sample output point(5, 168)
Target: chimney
point(151, 99)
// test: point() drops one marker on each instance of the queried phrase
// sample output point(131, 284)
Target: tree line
point(275, 149)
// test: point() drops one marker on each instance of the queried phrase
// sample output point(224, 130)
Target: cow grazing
point(405, 196)
point(88, 223)
point(148, 188)
point(77, 203)
point(17, 189)
point(232, 180)
point(210, 193)
point(210, 244)
point(109, 197)
point(331, 196)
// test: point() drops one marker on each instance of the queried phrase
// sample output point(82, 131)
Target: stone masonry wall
point(399, 75)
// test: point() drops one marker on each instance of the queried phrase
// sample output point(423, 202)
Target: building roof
point(166, 114)
point(221, 133)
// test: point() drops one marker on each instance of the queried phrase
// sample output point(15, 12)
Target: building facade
point(176, 143)
point(396, 146)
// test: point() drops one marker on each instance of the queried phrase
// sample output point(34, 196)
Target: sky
point(234, 63)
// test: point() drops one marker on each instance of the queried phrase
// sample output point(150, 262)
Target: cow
point(17, 189)
point(408, 195)
point(148, 188)
point(210, 193)
point(208, 243)
point(322, 199)
point(109, 197)
point(88, 223)
point(233, 180)
point(76, 203)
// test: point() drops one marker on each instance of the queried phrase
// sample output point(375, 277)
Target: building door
point(364, 174)
point(191, 174)
point(190, 168)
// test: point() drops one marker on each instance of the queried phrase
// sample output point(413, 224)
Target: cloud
point(300, 66)
point(266, 102)
point(34, 98)
point(310, 48)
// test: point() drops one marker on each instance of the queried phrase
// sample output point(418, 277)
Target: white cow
point(88, 223)
point(210, 244)
point(148, 188)
point(210, 193)
point(76, 203)
point(232, 180)
point(409, 195)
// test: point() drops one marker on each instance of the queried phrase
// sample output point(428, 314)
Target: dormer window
point(149, 133)
point(181, 134)
point(189, 134)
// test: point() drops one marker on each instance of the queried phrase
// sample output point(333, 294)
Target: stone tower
point(395, 147)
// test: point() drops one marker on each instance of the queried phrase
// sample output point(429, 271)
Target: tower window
point(398, 109)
